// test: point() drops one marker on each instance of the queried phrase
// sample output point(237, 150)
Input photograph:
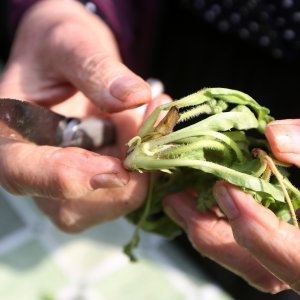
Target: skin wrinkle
point(91, 65)
point(63, 173)
point(218, 244)
point(246, 234)
point(57, 176)
point(36, 93)
point(243, 264)
point(113, 203)
point(100, 205)
point(10, 173)
point(65, 170)
point(291, 257)
point(96, 64)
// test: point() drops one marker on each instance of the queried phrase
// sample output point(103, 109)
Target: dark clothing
point(248, 45)
point(192, 54)
point(133, 23)
point(273, 25)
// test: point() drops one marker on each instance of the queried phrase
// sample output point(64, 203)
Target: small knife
point(25, 121)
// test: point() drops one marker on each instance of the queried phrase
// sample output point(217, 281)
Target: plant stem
point(136, 235)
point(280, 179)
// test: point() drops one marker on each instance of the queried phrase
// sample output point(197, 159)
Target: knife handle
point(91, 133)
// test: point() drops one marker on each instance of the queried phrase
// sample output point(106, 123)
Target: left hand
point(68, 61)
point(251, 242)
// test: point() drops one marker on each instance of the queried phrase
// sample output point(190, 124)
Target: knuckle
point(67, 219)
point(245, 239)
point(65, 179)
point(95, 62)
point(95, 72)
point(62, 183)
point(207, 235)
point(94, 66)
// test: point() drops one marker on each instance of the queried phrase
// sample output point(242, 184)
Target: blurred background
point(40, 262)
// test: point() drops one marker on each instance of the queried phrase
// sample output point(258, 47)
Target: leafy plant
point(225, 141)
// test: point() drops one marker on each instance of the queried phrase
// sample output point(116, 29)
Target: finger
point(80, 51)
point(284, 139)
point(275, 244)
point(94, 67)
point(68, 173)
point(101, 205)
point(212, 237)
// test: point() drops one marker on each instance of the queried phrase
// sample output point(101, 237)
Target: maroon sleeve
point(15, 11)
point(131, 21)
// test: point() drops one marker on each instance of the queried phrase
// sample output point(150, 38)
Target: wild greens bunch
point(224, 142)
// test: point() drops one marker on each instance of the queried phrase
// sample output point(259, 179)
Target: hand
point(57, 54)
point(68, 61)
point(251, 242)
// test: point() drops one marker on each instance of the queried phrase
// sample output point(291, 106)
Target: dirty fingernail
point(175, 216)
point(126, 86)
point(107, 181)
point(226, 202)
point(285, 137)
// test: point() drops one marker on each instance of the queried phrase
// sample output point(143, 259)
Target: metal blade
point(25, 121)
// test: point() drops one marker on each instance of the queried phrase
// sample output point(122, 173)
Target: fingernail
point(173, 215)
point(156, 86)
point(225, 202)
point(106, 181)
point(126, 86)
point(285, 137)
point(141, 110)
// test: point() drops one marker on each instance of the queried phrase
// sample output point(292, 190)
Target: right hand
point(250, 241)
point(67, 59)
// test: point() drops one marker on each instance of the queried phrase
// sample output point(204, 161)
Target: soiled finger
point(212, 237)
point(275, 244)
point(69, 173)
point(284, 138)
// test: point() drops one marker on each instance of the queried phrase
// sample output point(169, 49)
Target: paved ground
point(37, 261)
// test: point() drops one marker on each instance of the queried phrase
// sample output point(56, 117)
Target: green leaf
point(219, 146)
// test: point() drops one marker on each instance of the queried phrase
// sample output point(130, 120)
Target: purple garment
point(16, 9)
point(132, 22)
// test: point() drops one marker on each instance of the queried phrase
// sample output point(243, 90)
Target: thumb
point(284, 139)
point(60, 173)
point(274, 243)
point(89, 59)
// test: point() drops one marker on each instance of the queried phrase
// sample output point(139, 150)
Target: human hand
point(56, 55)
point(251, 242)
point(67, 60)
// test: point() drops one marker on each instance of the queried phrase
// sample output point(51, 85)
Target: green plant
point(225, 142)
